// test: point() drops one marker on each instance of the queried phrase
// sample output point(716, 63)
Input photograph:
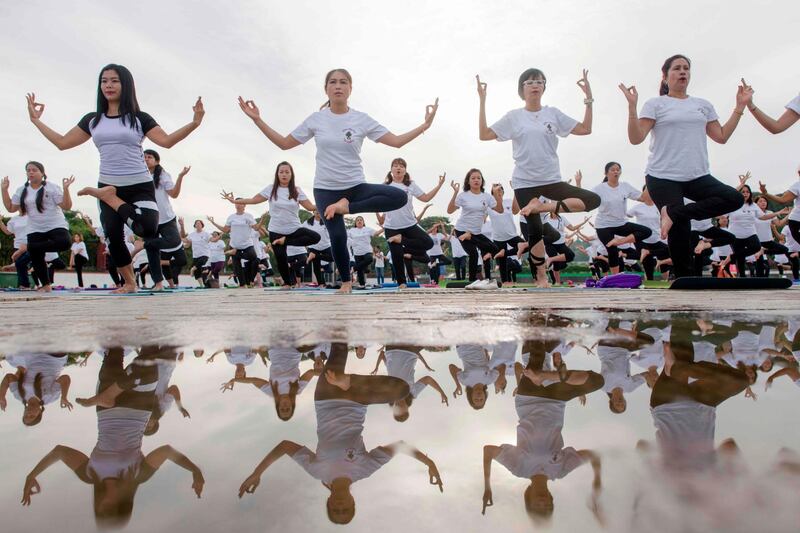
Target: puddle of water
point(664, 423)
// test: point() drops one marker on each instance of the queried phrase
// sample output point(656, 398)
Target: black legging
point(177, 260)
point(299, 237)
point(78, 262)
point(361, 266)
point(459, 264)
point(471, 246)
point(139, 212)
point(558, 249)
point(743, 248)
point(659, 251)
point(21, 264)
point(297, 266)
point(415, 241)
point(365, 390)
point(168, 237)
point(710, 198)
point(245, 274)
point(717, 237)
point(502, 262)
point(605, 235)
point(316, 263)
point(537, 351)
point(200, 270)
point(363, 198)
point(52, 266)
point(770, 248)
point(438, 261)
point(55, 240)
point(557, 192)
point(112, 270)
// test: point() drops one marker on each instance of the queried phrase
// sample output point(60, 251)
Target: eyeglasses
point(533, 83)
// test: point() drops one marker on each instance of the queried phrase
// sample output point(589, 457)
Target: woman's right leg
point(80, 261)
point(398, 257)
point(21, 264)
point(363, 263)
point(472, 253)
point(280, 257)
point(55, 240)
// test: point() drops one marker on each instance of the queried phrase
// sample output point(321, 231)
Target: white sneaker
point(475, 284)
point(488, 284)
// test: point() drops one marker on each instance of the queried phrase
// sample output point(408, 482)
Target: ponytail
point(158, 169)
point(22, 209)
point(663, 88)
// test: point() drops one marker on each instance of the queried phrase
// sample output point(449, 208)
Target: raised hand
point(434, 477)
point(441, 178)
point(66, 182)
point(184, 171)
point(228, 385)
point(578, 178)
point(198, 482)
point(198, 110)
point(744, 177)
point(210, 219)
point(481, 88)
point(583, 83)
point(66, 404)
point(35, 109)
point(487, 500)
point(744, 94)
point(430, 113)
point(762, 187)
point(4, 183)
point(631, 95)
point(227, 196)
point(455, 185)
point(249, 108)
point(444, 400)
point(250, 485)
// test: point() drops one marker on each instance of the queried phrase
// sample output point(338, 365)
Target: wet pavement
point(564, 420)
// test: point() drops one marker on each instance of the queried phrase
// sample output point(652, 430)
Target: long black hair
point(749, 200)
point(664, 87)
point(276, 184)
point(156, 171)
point(406, 177)
point(128, 105)
point(39, 194)
point(470, 173)
point(608, 167)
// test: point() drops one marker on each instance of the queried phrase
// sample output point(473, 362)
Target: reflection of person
point(36, 383)
point(341, 458)
point(116, 466)
point(615, 355)
point(540, 454)
point(477, 374)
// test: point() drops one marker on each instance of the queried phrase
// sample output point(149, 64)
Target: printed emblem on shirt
point(348, 135)
point(548, 126)
point(351, 454)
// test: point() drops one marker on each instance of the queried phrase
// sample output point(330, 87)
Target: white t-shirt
point(650, 217)
point(616, 369)
point(540, 446)
point(486, 229)
point(118, 452)
point(764, 227)
point(795, 189)
point(742, 222)
point(240, 230)
point(361, 239)
point(596, 248)
point(199, 240)
point(324, 240)
point(258, 244)
point(558, 223)
point(794, 104)
point(241, 355)
point(404, 217)
point(340, 445)
point(165, 184)
point(140, 259)
point(216, 251)
point(685, 434)
point(339, 138)
point(19, 227)
point(284, 370)
point(402, 364)
point(613, 200)
point(436, 249)
point(476, 366)
point(295, 250)
point(503, 226)
point(51, 216)
point(678, 148)
point(534, 141)
point(50, 368)
point(379, 260)
point(79, 248)
point(791, 244)
point(473, 210)
point(284, 217)
point(456, 248)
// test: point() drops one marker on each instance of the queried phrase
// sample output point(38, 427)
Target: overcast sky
point(401, 56)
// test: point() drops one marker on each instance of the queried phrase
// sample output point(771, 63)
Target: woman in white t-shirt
point(533, 131)
point(459, 255)
point(764, 230)
point(167, 245)
point(380, 265)
point(198, 240)
point(361, 239)
point(403, 233)
point(653, 251)
point(125, 188)
point(610, 222)
point(239, 226)
point(321, 251)
point(18, 227)
point(504, 233)
point(792, 194)
point(216, 258)
point(742, 223)
point(78, 256)
point(341, 457)
point(474, 203)
point(340, 187)
point(47, 228)
point(285, 229)
point(678, 164)
point(438, 234)
point(36, 382)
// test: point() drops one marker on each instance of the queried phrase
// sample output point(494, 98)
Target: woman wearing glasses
point(534, 130)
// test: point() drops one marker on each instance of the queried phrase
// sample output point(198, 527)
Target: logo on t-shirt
point(348, 135)
point(548, 127)
point(351, 454)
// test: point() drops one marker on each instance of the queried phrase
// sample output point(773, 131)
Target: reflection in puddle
point(666, 423)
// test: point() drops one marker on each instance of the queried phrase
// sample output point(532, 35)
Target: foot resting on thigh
point(342, 207)
point(107, 195)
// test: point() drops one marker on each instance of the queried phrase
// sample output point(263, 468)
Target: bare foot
point(342, 207)
point(533, 207)
point(95, 401)
point(467, 236)
point(541, 277)
point(508, 284)
point(487, 256)
point(701, 246)
point(402, 286)
point(395, 239)
point(501, 253)
point(616, 241)
point(521, 247)
point(311, 256)
point(107, 195)
point(279, 241)
point(346, 288)
point(125, 289)
point(158, 287)
point(45, 288)
point(666, 223)
point(138, 246)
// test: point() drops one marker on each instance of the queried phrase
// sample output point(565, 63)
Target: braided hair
point(39, 193)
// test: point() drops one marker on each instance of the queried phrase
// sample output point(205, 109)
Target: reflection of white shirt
point(118, 452)
point(402, 364)
point(685, 434)
point(476, 366)
point(340, 444)
point(50, 368)
point(652, 354)
point(540, 446)
point(616, 369)
point(241, 355)
point(284, 370)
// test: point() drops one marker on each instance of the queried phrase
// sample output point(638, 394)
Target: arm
point(168, 140)
point(256, 199)
point(284, 142)
point(285, 447)
point(721, 134)
point(10, 207)
point(398, 141)
point(157, 457)
point(784, 198)
point(489, 453)
point(773, 126)
point(429, 381)
point(307, 205)
point(638, 128)
point(66, 202)
point(454, 374)
point(182, 229)
point(223, 229)
point(381, 357)
point(381, 218)
point(407, 449)
point(175, 392)
point(428, 196)
point(69, 456)
point(498, 208)
point(8, 379)
point(65, 382)
point(422, 213)
point(4, 228)
point(452, 207)
point(71, 139)
point(485, 133)
point(585, 127)
point(176, 190)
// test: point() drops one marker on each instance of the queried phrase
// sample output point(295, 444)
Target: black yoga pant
point(200, 270)
point(139, 213)
point(365, 390)
point(52, 266)
point(438, 261)
point(177, 260)
point(316, 263)
point(471, 246)
point(710, 197)
point(717, 237)
point(79, 262)
point(39, 243)
point(361, 266)
point(168, 237)
point(21, 264)
point(415, 241)
point(510, 247)
point(770, 248)
point(363, 198)
point(558, 249)
point(743, 248)
point(297, 266)
point(659, 251)
point(299, 237)
point(605, 235)
point(460, 266)
point(557, 192)
point(245, 274)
